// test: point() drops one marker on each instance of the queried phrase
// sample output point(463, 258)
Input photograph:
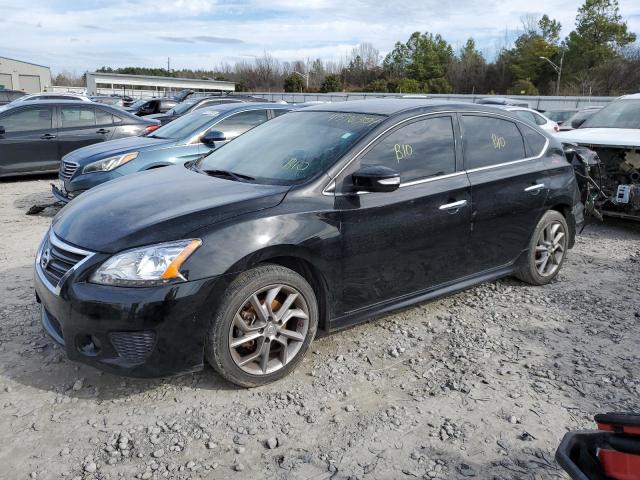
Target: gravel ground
point(481, 384)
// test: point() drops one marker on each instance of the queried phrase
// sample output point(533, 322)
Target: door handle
point(534, 189)
point(102, 130)
point(453, 207)
point(47, 136)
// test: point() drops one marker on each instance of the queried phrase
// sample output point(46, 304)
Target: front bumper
point(137, 332)
point(61, 194)
point(82, 182)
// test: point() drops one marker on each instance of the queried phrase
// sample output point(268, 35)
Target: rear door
point(78, 128)
point(29, 143)
point(410, 240)
point(508, 185)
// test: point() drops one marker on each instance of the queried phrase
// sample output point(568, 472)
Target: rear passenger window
point(103, 118)
point(535, 141)
point(421, 149)
point(77, 117)
point(490, 141)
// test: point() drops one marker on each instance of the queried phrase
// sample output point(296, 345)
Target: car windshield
point(559, 115)
point(187, 125)
point(291, 148)
point(618, 114)
point(139, 103)
point(181, 107)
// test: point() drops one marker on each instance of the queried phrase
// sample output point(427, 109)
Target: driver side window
point(417, 150)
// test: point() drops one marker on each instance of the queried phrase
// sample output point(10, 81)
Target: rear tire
point(263, 327)
point(547, 249)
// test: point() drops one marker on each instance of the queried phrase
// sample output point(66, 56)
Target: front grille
point(67, 169)
point(133, 346)
point(56, 258)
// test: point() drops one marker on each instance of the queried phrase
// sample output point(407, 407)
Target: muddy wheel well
point(312, 275)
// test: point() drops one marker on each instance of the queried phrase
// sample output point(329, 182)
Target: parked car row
point(188, 138)
point(316, 219)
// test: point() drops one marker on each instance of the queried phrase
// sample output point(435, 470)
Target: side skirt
point(380, 309)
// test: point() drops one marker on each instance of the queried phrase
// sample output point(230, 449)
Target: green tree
point(429, 56)
point(409, 85)
point(293, 83)
point(523, 87)
point(549, 29)
point(331, 83)
point(377, 86)
point(396, 61)
point(599, 35)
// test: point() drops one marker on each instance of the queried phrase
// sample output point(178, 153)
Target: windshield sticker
point(402, 151)
point(498, 141)
point(354, 118)
point(211, 113)
point(346, 135)
point(295, 164)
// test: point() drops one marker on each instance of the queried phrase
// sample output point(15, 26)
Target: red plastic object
point(628, 429)
point(618, 465)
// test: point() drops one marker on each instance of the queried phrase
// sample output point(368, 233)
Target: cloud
point(206, 33)
point(175, 39)
point(210, 39)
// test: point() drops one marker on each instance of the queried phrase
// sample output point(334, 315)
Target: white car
point(46, 96)
point(534, 117)
point(614, 134)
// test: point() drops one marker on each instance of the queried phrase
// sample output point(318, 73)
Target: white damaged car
point(614, 134)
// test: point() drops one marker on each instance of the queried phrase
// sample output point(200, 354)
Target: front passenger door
point(29, 143)
point(410, 240)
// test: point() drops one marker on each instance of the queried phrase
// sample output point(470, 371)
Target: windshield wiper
point(226, 173)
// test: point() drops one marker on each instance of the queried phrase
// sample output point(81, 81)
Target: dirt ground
point(482, 384)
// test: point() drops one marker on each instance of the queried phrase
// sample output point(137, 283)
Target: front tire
point(547, 249)
point(264, 326)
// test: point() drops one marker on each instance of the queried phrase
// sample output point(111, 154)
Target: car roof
point(60, 102)
point(230, 107)
point(394, 106)
point(632, 96)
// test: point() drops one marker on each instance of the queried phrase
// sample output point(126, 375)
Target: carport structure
point(100, 83)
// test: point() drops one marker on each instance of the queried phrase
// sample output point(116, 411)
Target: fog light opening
point(88, 345)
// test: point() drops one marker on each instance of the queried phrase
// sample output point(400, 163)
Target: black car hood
point(157, 206)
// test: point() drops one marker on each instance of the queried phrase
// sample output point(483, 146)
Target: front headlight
point(146, 266)
point(110, 163)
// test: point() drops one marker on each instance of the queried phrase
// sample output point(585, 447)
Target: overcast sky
point(84, 35)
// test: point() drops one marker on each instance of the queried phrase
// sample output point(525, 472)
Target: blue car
point(186, 138)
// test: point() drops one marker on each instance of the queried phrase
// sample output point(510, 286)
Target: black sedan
point(35, 135)
point(190, 105)
point(150, 106)
point(316, 220)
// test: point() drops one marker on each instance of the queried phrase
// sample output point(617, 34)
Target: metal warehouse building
point(24, 76)
point(135, 85)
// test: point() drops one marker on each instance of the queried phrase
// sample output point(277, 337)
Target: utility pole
point(303, 75)
point(168, 65)
point(558, 70)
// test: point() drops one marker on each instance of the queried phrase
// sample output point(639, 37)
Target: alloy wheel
point(269, 329)
point(550, 249)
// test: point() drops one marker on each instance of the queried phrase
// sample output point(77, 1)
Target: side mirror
point(2, 130)
point(212, 137)
point(376, 178)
